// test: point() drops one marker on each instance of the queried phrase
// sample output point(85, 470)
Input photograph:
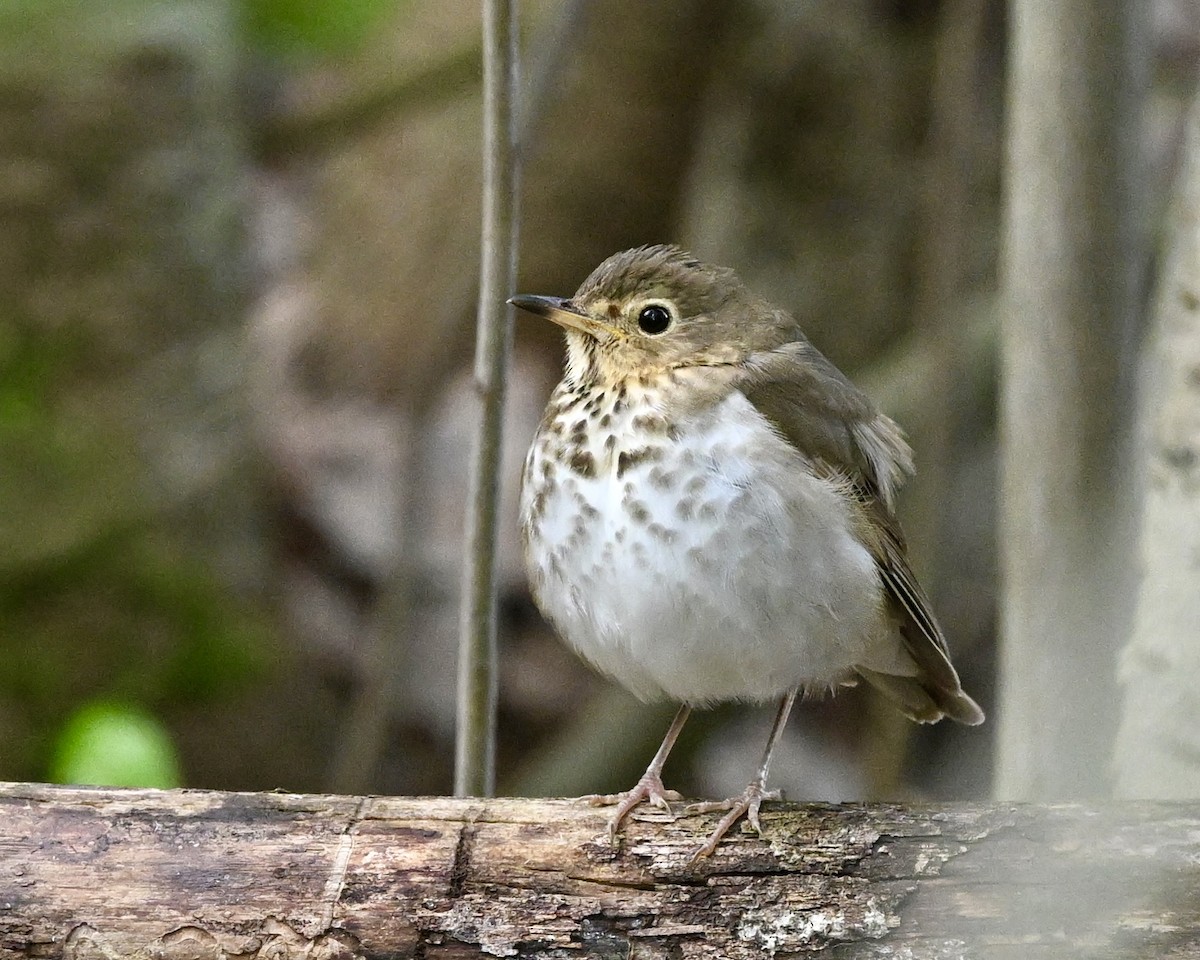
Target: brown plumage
point(733, 535)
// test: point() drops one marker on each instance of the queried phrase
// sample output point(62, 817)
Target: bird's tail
point(923, 701)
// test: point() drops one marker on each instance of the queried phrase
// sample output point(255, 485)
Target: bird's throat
point(581, 359)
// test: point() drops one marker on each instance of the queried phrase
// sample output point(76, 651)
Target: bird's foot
point(649, 788)
point(744, 806)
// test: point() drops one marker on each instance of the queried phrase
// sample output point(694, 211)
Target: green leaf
point(115, 745)
point(320, 27)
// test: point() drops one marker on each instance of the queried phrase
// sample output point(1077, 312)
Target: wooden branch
point(169, 875)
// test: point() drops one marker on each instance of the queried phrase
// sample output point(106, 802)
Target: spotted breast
point(655, 541)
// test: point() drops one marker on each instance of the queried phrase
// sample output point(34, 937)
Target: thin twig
point(474, 754)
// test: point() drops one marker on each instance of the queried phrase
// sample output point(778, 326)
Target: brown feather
point(825, 416)
point(836, 428)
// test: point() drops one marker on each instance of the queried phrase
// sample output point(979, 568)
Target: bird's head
point(651, 309)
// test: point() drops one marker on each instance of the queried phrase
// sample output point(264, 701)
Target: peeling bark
point(91, 873)
point(1158, 746)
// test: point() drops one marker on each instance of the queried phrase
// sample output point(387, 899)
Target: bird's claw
point(649, 788)
point(747, 805)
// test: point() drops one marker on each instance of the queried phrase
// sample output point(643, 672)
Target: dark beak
point(564, 313)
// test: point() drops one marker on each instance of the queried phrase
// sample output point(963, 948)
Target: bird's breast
point(693, 554)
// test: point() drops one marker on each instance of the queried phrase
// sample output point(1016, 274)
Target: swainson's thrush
point(708, 511)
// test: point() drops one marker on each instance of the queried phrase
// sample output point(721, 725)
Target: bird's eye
point(654, 318)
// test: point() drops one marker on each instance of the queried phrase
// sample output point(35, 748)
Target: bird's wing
point(837, 429)
point(825, 416)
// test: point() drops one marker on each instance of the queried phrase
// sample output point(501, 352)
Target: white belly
point(711, 574)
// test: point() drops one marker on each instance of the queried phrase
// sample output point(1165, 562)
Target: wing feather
point(838, 430)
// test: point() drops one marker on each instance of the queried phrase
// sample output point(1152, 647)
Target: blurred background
point(238, 256)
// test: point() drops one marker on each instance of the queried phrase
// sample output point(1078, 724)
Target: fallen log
point(97, 874)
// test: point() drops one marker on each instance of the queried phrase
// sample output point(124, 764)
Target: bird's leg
point(650, 786)
point(755, 793)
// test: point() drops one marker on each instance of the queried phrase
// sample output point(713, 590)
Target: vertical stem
point(474, 755)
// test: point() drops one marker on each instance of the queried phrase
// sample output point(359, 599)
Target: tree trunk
point(105, 874)
point(1158, 748)
point(1070, 273)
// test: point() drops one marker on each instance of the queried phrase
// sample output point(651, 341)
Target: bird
point(708, 513)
